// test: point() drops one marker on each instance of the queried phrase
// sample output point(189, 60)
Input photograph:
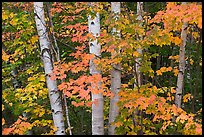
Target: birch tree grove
point(115, 75)
point(180, 79)
point(95, 49)
point(102, 68)
point(54, 95)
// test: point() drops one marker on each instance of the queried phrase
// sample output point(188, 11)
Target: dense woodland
point(101, 68)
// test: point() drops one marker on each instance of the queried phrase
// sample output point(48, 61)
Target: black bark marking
point(181, 72)
point(57, 112)
point(91, 44)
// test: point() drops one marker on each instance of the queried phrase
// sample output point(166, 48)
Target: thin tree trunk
point(188, 69)
point(115, 77)
point(58, 59)
point(138, 74)
point(139, 50)
point(67, 115)
point(55, 99)
point(180, 78)
point(95, 48)
point(52, 32)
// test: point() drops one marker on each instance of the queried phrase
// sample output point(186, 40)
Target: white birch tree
point(138, 74)
point(139, 50)
point(115, 76)
point(54, 95)
point(95, 48)
point(180, 78)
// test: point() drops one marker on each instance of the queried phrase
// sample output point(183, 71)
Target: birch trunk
point(115, 77)
point(54, 95)
point(180, 78)
point(95, 48)
point(138, 75)
point(139, 50)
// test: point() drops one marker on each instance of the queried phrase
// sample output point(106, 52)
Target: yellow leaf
point(173, 90)
point(177, 40)
point(4, 56)
point(14, 21)
point(135, 54)
point(67, 32)
point(23, 98)
point(195, 34)
point(29, 71)
point(20, 42)
point(4, 15)
point(2, 107)
point(172, 97)
point(34, 97)
point(42, 78)
point(163, 69)
point(169, 69)
point(160, 90)
point(174, 57)
point(11, 104)
point(124, 85)
point(55, 129)
point(175, 72)
point(3, 121)
point(34, 39)
point(117, 124)
point(154, 88)
point(30, 99)
point(169, 98)
point(11, 15)
point(159, 72)
point(187, 97)
point(170, 57)
point(151, 71)
point(31, 78)
point(191, 61)
point(27, 110)
point(41, 114)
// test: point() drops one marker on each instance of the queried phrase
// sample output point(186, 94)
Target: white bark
point(180, 79)
point(138, 80)
point(139, 50)
point(54, 95)
point(115, 77)
point(95, 48)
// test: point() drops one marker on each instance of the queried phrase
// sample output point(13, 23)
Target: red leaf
point(74, 39)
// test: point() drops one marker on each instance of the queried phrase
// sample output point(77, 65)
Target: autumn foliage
point(148, 109)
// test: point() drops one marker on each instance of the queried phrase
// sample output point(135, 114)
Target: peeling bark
point(180, 78)
point(95, 48)
point(55, 99)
